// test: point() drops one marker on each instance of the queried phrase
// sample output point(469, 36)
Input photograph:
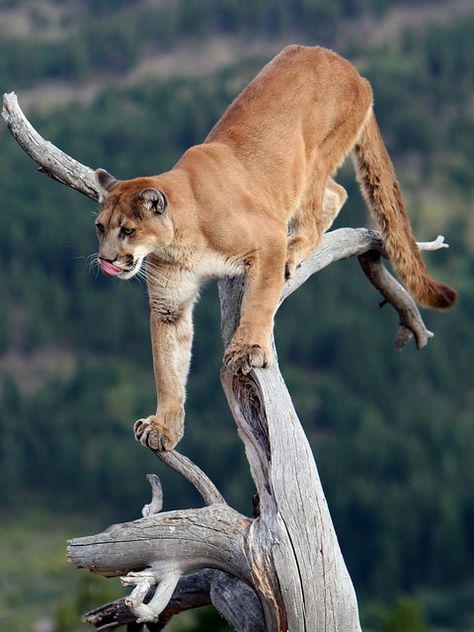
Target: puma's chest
point(211, 265)
point(175, 281)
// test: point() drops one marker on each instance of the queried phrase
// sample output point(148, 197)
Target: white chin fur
point(128, 274)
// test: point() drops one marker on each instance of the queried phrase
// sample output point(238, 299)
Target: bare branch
point(53, 162)
point(156, 504)
point(436, 244)
point(191, 472)
point(411, 322)
point(235, 600)
point(367, 245)
point(150, 610)
point(237, 603)
point(336, 245)
point(208, 537)
point(192, 592)
point(61, 167)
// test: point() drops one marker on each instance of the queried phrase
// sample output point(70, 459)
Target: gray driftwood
point(281, 569)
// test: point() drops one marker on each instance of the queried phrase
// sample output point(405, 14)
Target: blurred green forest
point(393, 433)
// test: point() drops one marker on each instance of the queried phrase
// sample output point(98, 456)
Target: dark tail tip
point(440, 296)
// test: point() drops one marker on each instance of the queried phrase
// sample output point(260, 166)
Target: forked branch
point(369, 248)
point(232, 598)
point(155, 551)
point(411, 322)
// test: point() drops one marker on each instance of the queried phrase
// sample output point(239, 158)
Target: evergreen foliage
point(393, 433)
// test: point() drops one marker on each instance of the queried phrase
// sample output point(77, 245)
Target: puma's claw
point(289, 270)
point(243, 357)
point(160, 432)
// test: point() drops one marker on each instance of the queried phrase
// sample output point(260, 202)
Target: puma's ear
point(105, 182)
point(154, 200)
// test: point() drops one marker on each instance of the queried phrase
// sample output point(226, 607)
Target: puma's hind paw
point(162, 431)
point(245, 357)
point(290, 269)
point(293, 262)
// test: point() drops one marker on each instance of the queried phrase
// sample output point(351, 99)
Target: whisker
point(85, 257)
point(154, 272)
point(160, 279)
point(140, 280)
point(93, 263)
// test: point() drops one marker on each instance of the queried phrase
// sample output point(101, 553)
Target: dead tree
point(281, 569)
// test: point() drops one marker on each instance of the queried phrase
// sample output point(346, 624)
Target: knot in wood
point(248, 395)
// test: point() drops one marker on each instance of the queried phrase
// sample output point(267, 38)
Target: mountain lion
point(227, 205)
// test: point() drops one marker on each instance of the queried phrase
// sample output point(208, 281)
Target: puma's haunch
point(227, 206)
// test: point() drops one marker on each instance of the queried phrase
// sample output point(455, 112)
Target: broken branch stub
point(156, 504)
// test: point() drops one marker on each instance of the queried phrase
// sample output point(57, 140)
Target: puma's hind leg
point(305, 231)
point(333, 200)
point(317, 212)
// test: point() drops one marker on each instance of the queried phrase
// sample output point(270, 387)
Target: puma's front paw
point(245, 357)
point(162, 431)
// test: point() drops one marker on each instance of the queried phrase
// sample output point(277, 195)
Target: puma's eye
point(100, 227)
point(127, 231)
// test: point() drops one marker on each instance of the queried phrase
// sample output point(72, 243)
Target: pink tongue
point(109, 268)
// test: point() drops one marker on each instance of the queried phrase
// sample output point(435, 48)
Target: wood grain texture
point(297, 566)
point(296, 563)
point(184, 540)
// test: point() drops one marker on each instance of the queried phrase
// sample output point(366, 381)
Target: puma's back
point(300, 115)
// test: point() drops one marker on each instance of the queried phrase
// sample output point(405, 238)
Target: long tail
point(381, 190)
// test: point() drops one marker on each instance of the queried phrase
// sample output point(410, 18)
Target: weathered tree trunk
point(282, 569)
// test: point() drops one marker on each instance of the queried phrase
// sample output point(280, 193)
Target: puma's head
point(133, 221)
